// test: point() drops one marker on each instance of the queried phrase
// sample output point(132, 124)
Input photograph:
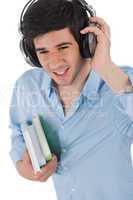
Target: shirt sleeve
point(126, 99)
point(17, 140)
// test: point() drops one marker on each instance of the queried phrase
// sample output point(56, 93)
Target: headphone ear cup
point(88, 45)
point(92, 43)
point(29, 53)
point(84, 46)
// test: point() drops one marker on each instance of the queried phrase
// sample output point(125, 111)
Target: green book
point(51, 136)
point(42, 138)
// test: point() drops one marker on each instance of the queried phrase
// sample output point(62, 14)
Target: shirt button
point(73, 189)
point(64, 150)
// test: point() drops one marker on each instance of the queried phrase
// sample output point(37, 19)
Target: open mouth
point(61, 73)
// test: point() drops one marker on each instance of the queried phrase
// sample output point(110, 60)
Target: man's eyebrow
point(58, 45)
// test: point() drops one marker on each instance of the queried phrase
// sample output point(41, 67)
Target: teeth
point(61, 72)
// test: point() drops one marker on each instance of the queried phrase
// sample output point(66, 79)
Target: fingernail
point(39, 172)
point(82, 31)
point(54, 158)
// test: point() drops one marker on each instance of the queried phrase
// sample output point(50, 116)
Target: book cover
point(42, 138)
point(51, 136)
point(33, 147)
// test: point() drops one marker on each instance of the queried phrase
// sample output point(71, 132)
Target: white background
point(119, 16)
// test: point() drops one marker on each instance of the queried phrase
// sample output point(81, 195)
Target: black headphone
point(87, 44)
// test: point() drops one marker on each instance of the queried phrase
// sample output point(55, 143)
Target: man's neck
point(68, 94)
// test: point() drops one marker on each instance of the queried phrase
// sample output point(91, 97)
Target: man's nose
point(55, 59)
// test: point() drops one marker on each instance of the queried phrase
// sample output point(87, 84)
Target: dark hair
point(49, 15)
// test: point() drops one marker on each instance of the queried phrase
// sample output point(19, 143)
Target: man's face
point(58, 53)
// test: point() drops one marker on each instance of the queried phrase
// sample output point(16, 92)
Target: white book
point(42, 138)
point(33, 147)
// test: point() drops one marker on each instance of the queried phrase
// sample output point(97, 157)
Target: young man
point(85, 102)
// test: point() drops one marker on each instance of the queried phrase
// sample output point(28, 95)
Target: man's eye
point(43, 52)
point(65, 47)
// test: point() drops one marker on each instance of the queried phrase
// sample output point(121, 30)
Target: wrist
point(103, 68)
point(115, 78)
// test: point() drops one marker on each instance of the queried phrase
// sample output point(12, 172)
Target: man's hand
point(25, 169)
point(101, 58)
point(102, 53)
point(101, 62)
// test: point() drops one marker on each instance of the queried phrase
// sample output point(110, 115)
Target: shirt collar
point(47, 84)
point(92, 84)
point(90, 89)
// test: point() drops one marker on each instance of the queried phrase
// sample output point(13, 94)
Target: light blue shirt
point(95, 136)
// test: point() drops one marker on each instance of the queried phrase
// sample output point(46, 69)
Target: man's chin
point(62, 82)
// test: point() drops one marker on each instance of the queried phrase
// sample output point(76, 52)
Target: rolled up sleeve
point(17, 140)
point(126, 99)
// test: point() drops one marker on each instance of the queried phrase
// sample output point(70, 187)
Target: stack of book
point(37, 144)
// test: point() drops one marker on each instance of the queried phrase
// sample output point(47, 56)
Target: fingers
point(100, 29)
point(103, 25)
point(25, 169)
point(92, 29)
point(101, 37)
point(45, 176)
point(47, 170)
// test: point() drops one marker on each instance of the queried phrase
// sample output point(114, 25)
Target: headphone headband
point(27, 6)
point(84, 4)
point(87, 42)
point(88, 7)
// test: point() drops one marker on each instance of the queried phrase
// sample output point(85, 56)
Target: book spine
point(31, 150)
point(42, 138)
point(36, 145)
